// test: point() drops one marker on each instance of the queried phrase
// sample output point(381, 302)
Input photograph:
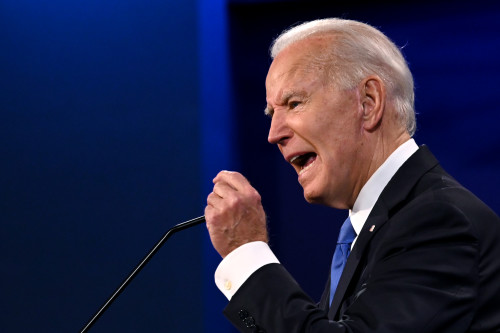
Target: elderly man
point(418, 252)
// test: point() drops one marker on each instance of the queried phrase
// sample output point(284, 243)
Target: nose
point(279, 132)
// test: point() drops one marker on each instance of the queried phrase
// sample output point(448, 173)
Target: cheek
point(280, 148)
point(337, 165)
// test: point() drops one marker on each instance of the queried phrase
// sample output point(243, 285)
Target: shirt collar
point(370, 192)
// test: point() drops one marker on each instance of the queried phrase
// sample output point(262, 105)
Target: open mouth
point(303, 162)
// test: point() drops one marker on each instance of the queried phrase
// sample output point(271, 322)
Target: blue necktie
point(342, 250)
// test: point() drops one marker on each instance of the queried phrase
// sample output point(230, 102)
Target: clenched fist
point(234, 213)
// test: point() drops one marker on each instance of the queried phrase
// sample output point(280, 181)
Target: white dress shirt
point(238, 265)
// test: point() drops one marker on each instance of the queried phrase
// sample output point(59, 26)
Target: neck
point(379, 148)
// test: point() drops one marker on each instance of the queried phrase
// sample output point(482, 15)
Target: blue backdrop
point(116, 115)
point(100, 147)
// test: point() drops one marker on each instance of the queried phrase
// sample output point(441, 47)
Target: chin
point(320, 198)
point(313, 197)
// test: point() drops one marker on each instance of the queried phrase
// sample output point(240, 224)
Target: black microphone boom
point(174, 229)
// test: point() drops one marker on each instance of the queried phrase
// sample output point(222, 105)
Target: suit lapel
point(393, 194)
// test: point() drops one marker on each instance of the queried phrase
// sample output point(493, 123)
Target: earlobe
point(372, 101)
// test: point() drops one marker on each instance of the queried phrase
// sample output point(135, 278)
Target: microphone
point(118, 291)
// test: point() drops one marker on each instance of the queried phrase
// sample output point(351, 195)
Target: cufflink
point(228, 285)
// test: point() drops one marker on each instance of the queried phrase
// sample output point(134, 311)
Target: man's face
point(316, 126)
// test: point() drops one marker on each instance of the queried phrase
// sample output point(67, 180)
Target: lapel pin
point(372, 228)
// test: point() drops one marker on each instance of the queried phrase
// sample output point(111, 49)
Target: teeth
point(305, 168)
point(293, 159)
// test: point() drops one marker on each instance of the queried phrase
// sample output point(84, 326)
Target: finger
point(224, 190)
point(210, 211)
point(214, 200)
point(233, 179)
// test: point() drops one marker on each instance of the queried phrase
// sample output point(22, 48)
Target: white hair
point(359, 50)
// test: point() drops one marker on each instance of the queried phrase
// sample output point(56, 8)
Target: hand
point(234, 213)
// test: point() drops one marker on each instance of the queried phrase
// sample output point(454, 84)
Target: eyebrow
point(285, 97)
point(268, 111)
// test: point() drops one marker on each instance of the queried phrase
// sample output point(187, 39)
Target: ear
point(372, 95)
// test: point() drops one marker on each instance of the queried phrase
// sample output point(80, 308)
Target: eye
point(293, 104)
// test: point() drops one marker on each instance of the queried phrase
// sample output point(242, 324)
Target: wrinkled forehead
point(287, 68)
point(301, 58)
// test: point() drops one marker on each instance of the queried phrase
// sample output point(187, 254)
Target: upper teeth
point(294, 158)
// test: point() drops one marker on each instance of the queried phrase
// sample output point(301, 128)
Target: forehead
point(295, 68)
point(303, 57)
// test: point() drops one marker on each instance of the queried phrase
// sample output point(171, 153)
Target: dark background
point(116, 115)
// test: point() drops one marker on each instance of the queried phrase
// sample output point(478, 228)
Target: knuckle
point(255, 196)
point(233, 201)
point(210, 198)
point(225, 173)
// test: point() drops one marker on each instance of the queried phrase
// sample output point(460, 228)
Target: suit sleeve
point(420, 275)
point(272, 301)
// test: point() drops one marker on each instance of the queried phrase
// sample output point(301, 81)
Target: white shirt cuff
point(238, 265)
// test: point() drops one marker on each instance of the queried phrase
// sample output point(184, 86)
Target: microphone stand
point(118, 291)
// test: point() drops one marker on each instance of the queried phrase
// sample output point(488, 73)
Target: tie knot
point(347, 233)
